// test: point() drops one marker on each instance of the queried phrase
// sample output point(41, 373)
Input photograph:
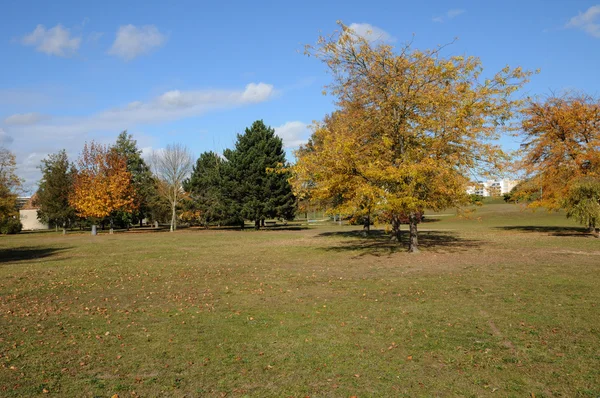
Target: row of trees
point(115, 184)
point(411, 129)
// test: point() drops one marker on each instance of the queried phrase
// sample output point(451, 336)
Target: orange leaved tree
point(102, 183)
point(561, 150)
point(411, 128)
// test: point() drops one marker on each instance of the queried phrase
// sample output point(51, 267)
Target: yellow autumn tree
point(410, 130)
point(561, 146)
point(561, 153)
point(102, 183)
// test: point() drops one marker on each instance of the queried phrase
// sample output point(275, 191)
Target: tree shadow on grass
point(428, 219)
point(378, 243)
point(554, 231)
point(250, 228)
point(25, 253)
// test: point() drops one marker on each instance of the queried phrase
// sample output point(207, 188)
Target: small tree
point(10, 183)
point(583, 203)
point(102, 184)
point(171, 167)
point(54, 190)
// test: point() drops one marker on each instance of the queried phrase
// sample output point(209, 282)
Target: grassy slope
point(504, 303)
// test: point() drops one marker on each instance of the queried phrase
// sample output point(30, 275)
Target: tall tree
point(260, 182)
point(141, 176)
point(171, 168)
point(10, 184)
point(411, 126)
point(54, 189)
point(561, 146)
point(207, 190)
point(102, 184)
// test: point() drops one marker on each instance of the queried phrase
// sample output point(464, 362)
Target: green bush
point(10, 226)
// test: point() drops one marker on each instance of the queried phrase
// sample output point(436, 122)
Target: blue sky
point(197, 73)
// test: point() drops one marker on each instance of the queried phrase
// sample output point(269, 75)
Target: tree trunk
point(396, 232)
point(413, 244)
point(367, 223)
point(257, 224)
point(64, 228)
point(111, 226)
point(173, 220)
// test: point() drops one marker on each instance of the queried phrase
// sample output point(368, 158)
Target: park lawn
point(501, 303)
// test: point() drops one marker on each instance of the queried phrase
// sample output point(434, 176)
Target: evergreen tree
point(206, 189)
point(141, 178)
point(54, 190)
point(255, 177)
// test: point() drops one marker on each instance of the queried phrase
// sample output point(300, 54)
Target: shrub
point(9, 226)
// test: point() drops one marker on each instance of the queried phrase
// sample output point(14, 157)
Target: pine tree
point(141, 178)
point(256, 177)
point(206, 189)
point(54, 190)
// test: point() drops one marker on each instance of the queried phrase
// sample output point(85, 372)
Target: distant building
point(28, 214)
point(492, 187)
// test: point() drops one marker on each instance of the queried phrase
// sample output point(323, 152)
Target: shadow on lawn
point(250, 228)
point(28, 253)
point(554, 231)
point(378, 243)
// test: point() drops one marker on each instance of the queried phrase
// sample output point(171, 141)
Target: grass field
point(505, 303)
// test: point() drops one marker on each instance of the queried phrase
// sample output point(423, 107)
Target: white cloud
point(52, 133)
point(54, 41)
point(371, 33)
point(24, 118)
point(450, 14)
point(172, 105)
point(293, 134)
point(132, 41)
point(588, 21)
point(5, 139)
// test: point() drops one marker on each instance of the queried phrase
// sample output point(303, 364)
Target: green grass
point(504, 303)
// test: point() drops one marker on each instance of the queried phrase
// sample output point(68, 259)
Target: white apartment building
point(492, 187)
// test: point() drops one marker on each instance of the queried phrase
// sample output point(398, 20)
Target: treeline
point(115, 186)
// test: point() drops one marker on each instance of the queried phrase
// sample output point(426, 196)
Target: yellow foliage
point(411, 127)
point(102, 183)
point(562, 145)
